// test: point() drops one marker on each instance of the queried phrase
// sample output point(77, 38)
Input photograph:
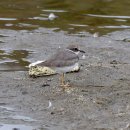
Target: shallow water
point(73, 16)
point(16, 60)
point(9, 114)
point(96, 16)
point(15, 127)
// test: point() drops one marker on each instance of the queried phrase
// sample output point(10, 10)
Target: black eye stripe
point(76, 49)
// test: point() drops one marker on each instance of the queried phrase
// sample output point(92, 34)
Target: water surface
point(73, 16)
point(93, 16)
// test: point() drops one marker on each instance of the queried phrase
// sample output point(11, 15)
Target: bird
point(63, 61)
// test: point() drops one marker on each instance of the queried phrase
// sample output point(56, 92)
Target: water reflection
point(75, 17)
point(7, 19)
point(8, 113)
point(93, 14)
point(15, 60)
point(108, 16)
point(15, 127)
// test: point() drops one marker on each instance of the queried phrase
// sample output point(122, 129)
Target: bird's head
point(75, 49)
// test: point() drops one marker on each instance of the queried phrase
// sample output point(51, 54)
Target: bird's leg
point(62, 80)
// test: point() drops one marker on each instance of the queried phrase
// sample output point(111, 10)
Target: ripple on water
point(14, 60)
point(15, 127)
point(90, 13)
point(7, 108)
point(47, 10)
point(24, 118)
point(8, 114)
point(112, 27)
point(109, 16)
point(7, 19)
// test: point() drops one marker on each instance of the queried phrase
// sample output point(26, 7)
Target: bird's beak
point(82, 51)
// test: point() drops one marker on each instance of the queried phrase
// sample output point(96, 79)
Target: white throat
point(77, 53)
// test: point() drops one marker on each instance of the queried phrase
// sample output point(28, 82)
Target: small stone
point(49, 79)
point(24, 92)
point(52, 16)
point(96, 34)
point(52, 113)
point(113, 62)
point(45, 85)
point(15, 129)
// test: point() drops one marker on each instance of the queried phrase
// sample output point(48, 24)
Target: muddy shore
point(99, 96)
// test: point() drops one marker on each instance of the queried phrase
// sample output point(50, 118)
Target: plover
point(63, 61)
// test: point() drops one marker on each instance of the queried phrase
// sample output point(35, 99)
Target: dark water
point(102, 16)
point(73, 16)
point(15, 60)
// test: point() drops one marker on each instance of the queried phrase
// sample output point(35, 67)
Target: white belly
point(66, 69)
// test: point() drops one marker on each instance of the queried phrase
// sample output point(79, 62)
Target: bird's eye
point(76, 49)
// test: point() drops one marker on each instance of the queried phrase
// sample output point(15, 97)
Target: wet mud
point(99, 96)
